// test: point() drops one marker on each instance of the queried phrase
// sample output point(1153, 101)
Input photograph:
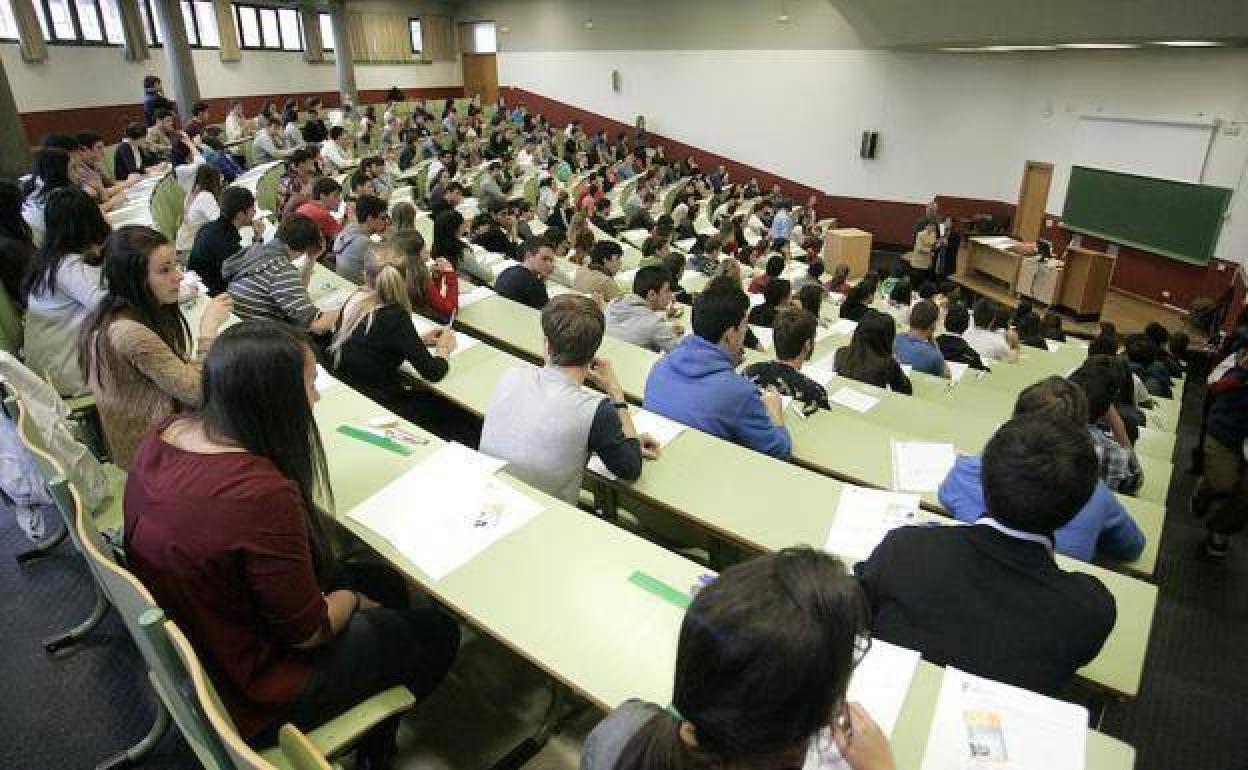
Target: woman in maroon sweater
point(223, 525)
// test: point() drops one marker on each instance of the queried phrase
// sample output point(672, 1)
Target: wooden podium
point(1085, 280)
point(850, 246)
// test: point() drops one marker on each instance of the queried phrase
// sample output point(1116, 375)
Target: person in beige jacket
point(598, 277)
point(136, 349)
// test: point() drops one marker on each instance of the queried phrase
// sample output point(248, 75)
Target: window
point(413, 26)
point(87, 22)
point(276, 29)
point(327, 32)
point(197, 17)
point(8, 25)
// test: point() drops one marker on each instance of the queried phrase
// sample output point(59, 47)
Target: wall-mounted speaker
point(616, 81)
point(870, 140)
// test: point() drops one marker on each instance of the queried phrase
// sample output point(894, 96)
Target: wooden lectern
point(1085, 280)
point(850, 246)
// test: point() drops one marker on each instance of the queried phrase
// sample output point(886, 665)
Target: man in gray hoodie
point(351, 247)
point(264, 283)
point(636, 317)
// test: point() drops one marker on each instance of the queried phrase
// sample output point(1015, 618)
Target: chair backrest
point(49, 470)
point(168, 202)
point(266, 189)
point(669, 199)
point(208, 703)
point(109, 164)
point(10, 323)
point(299, 751)
point(138, 610)
point(531, 189)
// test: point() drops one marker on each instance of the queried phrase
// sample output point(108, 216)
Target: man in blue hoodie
point(697, 383)
point(1101, 528)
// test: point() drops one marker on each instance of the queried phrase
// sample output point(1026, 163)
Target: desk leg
point(560, 710)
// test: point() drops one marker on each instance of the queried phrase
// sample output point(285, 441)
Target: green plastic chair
point(669, 198)
point(109, 164)
point(168, 202)
point(10, 324)
point(266, 189)
point(531, 189)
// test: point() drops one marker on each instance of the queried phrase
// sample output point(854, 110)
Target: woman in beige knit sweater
point(136, 348)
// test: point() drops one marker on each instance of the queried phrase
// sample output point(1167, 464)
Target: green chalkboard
point(1174, 219)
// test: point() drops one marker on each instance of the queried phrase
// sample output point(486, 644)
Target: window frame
point(327, 43)
point(43, 12)
point(414, 23)
point(14, 38)
point(147, 18)
point(263, 46)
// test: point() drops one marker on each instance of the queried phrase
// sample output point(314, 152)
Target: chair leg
point(139, 751)
point(43, 548)
point(557, 713)
point(54, 644)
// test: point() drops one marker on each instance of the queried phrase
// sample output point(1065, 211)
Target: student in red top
point(223, 524)
point(326, 199)
point(432, 285)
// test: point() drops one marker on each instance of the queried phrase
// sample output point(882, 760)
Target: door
point(480, 76)
point(1033, 195)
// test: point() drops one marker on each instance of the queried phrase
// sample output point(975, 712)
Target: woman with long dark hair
point(448, 237)
point(136, 348)
point(225, 523)
point(763, 663)
point(869, 355)
point(62, 288)
point(17, 244)
point(432, 289)
point(203, 204)
point(51, 172)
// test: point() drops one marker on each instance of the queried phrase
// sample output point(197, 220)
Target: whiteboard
point(1163, 149)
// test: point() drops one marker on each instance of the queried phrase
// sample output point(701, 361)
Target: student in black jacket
point(794, 339)
point(526, 282)
point(602, 209)
point(314, 129)
point(955, 349)
point(128, 156)
point(776, 295)
point(220, 239)
point(496, 233)
point(989, 598)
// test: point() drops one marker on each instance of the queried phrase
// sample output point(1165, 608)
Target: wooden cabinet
point(850, 246)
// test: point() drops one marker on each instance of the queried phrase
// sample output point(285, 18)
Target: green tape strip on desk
point(660, 589)
point(374, 439)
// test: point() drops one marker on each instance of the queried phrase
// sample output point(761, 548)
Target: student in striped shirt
point(264, 282)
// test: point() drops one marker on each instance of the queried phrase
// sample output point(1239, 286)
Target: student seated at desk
point(1222, 492)
point(697, 383)
point(989, 342)
point(793, 334)
point(637, 317)
point(777, 294)
point(203, 205)
point(953, 346)
point(772, 271)
point(264, 282)
point(268, 143)
point(1101, 528)
point(858, 302)
point(220, 239)
point(495, 231)
point(432, 287)
point(375, 335)
point(336, 154)
point(135, 349)
point(1031, 331)
point(326, 199)
point(812, 277)
point(989, 598)
point(1119, 467)
point(675, 264)
point(1142, 356)
point(915, 346)
point(745, 694)
point(869, 355)
point(224, 524)
point(526, 282)
point(545, 424)
point(900, 301)
point(353, 244)
point(598, 276)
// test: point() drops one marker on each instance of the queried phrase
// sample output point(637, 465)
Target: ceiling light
point(782, 18)
point(1190, 43)
point(589, 24)
point(998, 48)
point(1098, 46)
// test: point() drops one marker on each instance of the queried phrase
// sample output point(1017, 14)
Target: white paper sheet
point(445, 511)
point(1053, 345)
point(864, 517)
point(843, 326)
point(880, 684)
point(660, 428)
point(462, 341)
point(956, 370)
point(853, 399)
point(920, 466)
point(1024, 731)
point(324, 380)
point(820, 374)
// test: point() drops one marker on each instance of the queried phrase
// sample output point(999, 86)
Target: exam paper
point(448, 509)
point(879, 684)
point(660, 428)
point(843, 326)
point(764, 334)
point(819, 373)
point(864, 517)
point(474, 296)
point(853, 399)
point(956, 370)
point(462, 341)
point(920, 466)
point(324, 380)
point(980, 723)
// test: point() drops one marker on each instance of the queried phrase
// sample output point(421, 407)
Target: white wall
point(951, 124)
point(90, 76)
